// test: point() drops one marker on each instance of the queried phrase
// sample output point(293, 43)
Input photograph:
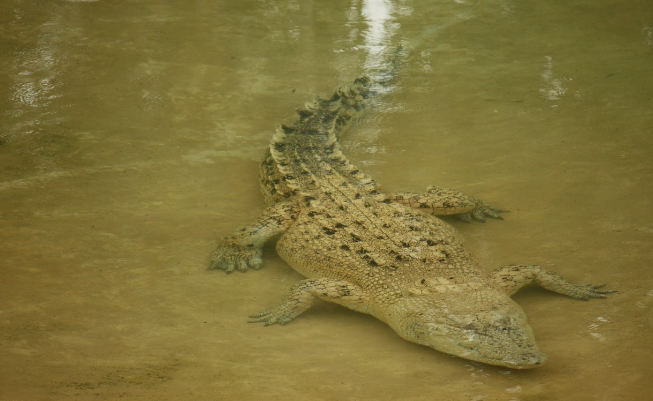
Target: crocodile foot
point(229, 257)
point(278, 315)
point(482, 211)
point(587, 291)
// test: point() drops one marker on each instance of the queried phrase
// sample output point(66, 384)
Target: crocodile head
point(488, 328)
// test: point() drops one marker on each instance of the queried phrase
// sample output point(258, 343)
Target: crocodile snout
point(527, 361)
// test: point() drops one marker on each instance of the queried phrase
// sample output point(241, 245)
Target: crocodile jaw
point(496, 333)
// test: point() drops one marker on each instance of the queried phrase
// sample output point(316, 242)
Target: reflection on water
point(378, 36)
point(35, 79)
point(552, 87)
point(36, 76)
point(129, 143)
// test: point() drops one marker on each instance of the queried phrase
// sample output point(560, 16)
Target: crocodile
point(387, 254)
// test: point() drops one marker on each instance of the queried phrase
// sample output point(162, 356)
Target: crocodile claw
point(587, 291)
point(271, 316)
point(229, 257)
point(482, 211)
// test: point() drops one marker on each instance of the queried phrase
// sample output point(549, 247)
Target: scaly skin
point(380, 253)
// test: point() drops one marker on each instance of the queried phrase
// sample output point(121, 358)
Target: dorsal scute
point(305, 157)
point(300, 148)
point(279, 136)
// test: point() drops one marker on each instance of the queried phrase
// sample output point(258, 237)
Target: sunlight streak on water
point(552, 87)
point(378, 35)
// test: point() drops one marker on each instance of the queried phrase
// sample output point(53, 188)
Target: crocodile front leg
point(445, 201)
point(244, 248)
point(513, 277)
point(301, 297)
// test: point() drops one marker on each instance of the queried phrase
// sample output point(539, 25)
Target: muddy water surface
point(129, 141)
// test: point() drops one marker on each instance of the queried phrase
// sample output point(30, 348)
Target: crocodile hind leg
point(301, 297)
point(243, 249)
point(513, 277)
point(445, 201)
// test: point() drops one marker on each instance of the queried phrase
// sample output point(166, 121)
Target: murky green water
point(130, 137)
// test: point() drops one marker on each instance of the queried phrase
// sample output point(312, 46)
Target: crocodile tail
point(330, 116)
point(311, 143)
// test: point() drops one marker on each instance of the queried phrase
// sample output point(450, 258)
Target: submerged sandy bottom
point(129, 143)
